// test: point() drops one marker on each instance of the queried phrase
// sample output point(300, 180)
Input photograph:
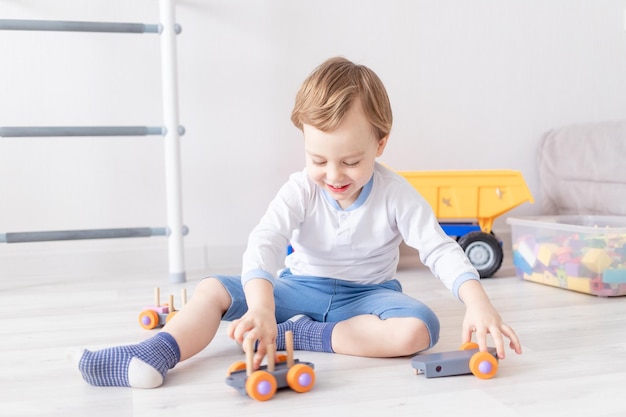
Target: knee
point(417, 336)
point(211, 290)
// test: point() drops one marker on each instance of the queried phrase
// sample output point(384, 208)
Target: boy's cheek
point(313, 172)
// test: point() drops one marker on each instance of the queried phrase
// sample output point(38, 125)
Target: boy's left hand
point(483, 319)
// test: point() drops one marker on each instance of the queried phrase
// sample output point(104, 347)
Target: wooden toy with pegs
point(467, 360)
point(159, 314)
point(280, 371)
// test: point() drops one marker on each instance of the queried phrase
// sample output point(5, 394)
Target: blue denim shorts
point(333, 300)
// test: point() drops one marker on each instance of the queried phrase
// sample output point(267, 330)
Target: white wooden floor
point(574, 361)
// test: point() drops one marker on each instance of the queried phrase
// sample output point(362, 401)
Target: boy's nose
point(333, 173)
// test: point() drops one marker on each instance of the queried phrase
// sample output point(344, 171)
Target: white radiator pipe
point(169, 83)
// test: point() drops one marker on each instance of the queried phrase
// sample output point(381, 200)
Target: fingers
point(261, 350)
point(466, 334)
point(241, 329)
point(237, 330)
point(514, 343)
point(230, 330)
point(481, 339)
point(498, 333)
point(259, 355)
point(498, 340)
point(247, 333)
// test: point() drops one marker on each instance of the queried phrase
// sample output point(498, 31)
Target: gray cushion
point(582, 169)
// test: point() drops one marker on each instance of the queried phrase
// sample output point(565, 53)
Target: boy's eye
point(351, 164)
point(319, 163)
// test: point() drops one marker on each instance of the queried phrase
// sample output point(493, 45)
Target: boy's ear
point(381, 145)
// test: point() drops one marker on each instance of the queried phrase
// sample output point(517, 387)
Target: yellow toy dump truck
point(466, 204)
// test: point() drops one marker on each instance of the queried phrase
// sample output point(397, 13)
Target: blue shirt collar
point(365, 192)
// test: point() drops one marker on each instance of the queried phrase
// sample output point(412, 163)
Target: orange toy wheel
point(148, 319)
point(300, 377)
point(170, 315)
point(483, 365)
point(468, 346)
point(281, 357)
point(261, 385)
point(237, 366)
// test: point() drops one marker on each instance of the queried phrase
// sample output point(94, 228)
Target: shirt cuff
point(256, 273)
point(461, 279)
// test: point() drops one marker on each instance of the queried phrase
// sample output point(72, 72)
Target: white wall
point(473, 84)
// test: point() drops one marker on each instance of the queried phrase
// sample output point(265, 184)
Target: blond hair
point(329, 91)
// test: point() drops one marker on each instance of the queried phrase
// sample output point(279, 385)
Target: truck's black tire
point(484, 252)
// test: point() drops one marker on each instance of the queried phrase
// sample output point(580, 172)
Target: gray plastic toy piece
point(237, 379)
point(434, 365)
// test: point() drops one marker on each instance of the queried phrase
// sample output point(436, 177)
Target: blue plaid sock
point(308, 334)
point(143, 365)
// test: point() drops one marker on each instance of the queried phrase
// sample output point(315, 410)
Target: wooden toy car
point(467, 360)
point(280, 372)
point(159, 314)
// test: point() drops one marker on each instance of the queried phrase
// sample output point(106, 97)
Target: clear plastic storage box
point(576, 252)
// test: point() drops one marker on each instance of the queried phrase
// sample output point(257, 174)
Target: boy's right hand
point(259, 322)
point(257, 326)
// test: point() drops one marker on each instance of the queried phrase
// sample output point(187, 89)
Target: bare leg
point(368, 335)
point(195, 325)
point(144, 365)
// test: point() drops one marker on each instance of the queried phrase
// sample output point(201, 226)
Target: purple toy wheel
point(305, 380)
point(261, 385)
point(483, 364)
point(301, 378)
point(485, 367)
point(148, 319)
point(264, 387)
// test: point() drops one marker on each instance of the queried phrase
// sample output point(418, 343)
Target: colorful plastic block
point(579, 284)
point(596, 260)
point(545, 252)
point(614, 276)
point(527, 253)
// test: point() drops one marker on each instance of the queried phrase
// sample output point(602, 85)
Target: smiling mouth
point(338, 189)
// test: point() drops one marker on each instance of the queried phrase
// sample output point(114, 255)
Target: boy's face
point(342, 161)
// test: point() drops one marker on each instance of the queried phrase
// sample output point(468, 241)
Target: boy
point(345, 215)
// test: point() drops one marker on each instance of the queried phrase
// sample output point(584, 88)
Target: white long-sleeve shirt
point(360, 243)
